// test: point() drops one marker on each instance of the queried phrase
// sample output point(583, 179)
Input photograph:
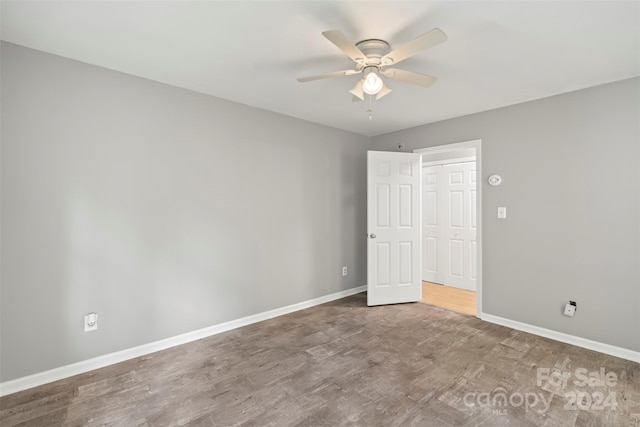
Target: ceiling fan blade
point(424, 80)
point(386, 90)
point(425, 41)
point(357, 91)
point(351, 50)
point(328, 75)
point(356, 99)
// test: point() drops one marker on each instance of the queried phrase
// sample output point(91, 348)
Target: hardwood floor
point(344, 363)
point(448, 297)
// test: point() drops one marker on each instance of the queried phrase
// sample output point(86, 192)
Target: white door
point(431, 225)
point(449, 225)
point(393, 221)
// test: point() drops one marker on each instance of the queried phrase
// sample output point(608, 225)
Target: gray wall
point(570, 167)
point(167, 211)
point(163, 210)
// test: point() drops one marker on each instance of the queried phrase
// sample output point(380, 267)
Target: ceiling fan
point(372, 56)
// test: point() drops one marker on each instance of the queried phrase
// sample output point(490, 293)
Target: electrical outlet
point(570, 308)
point(90, 322)
point(344, 271)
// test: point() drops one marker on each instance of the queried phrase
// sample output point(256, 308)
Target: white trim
point(612, 350)
point(477, 144)
point(447, 162)
point(445, 148)
point(23, 383)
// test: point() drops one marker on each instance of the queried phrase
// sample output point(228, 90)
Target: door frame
point(477, 144)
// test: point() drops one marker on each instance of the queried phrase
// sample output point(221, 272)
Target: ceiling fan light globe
point(372, 84)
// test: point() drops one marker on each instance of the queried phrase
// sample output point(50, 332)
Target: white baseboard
point(612, 350)
point(19, 384)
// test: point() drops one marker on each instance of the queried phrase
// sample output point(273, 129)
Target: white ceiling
point(498, 53)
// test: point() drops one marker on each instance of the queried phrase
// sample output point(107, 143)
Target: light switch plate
point(502, 212)
point(90, 322)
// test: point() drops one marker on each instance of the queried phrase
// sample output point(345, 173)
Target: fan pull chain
point(370, 110)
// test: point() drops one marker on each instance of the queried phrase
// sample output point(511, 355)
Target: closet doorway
point(451, 253)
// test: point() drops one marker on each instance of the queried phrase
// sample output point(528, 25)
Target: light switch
point(502, 212)
point(90, 322)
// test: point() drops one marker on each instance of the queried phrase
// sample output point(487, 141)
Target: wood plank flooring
point(448, 297)
point(343, 363)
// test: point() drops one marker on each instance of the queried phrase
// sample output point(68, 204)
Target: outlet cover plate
point(569, 310)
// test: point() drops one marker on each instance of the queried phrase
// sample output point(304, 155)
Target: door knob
point(373, 236)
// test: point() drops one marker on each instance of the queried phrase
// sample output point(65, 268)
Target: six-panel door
point(393, 249)
point(449, 225)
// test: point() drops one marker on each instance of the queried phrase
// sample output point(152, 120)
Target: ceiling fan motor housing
point(374, 50)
